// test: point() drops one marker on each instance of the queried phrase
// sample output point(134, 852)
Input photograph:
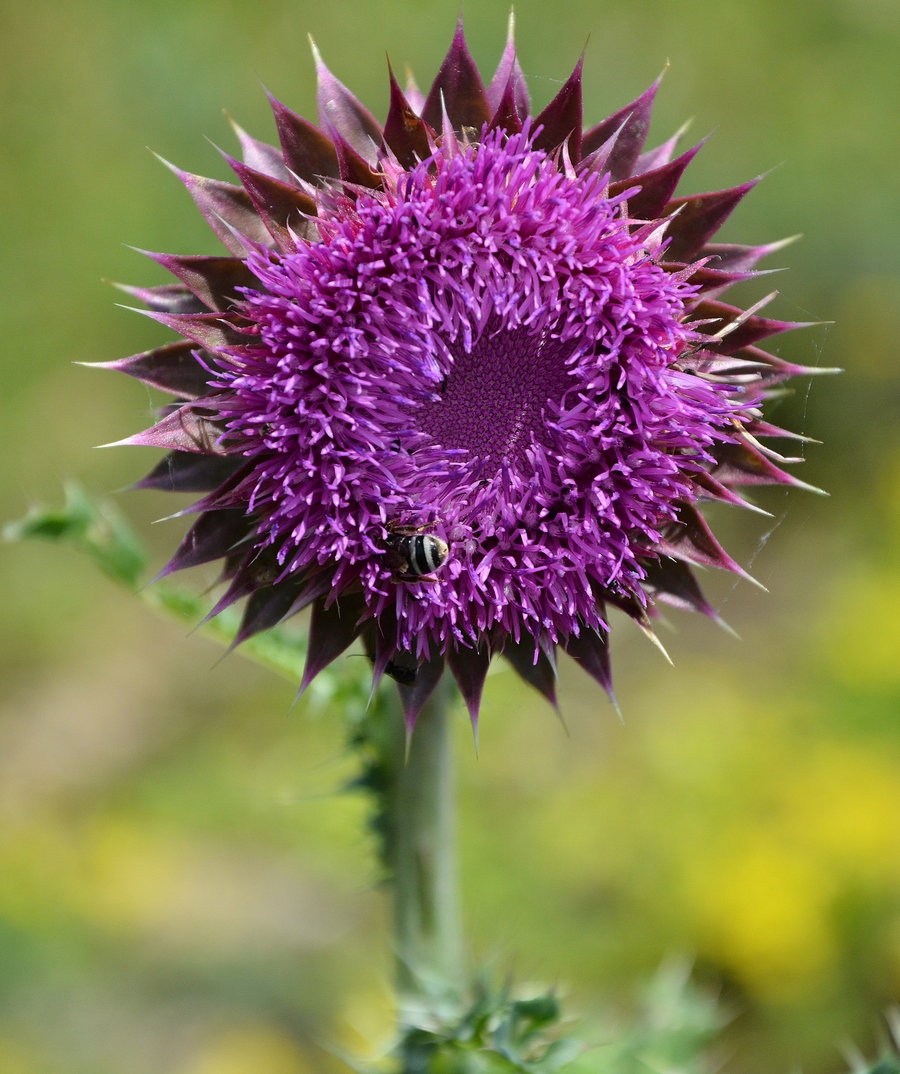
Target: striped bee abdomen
point(418, 554)
point(425, 553)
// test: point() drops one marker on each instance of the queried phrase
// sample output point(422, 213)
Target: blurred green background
point(183, 889)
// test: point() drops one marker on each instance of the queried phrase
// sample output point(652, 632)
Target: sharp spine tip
point(172, 167)
point(720, 622)
point(780, 244)
point(136, 309)
point(651, 635)
point(317, 56)
point(798, 484)
point(235, 126)
point(753, 581)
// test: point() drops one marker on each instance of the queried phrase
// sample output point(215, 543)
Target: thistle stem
point(421, 850)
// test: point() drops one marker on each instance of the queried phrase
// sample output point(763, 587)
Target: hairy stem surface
point(421, 852)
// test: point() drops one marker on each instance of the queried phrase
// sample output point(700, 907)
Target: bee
point(400, 674)
point(415, 555)
point(403, 673)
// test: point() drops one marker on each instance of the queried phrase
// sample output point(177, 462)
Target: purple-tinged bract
point(463, 380)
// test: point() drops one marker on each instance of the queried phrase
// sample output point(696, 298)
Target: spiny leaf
point(95, 528)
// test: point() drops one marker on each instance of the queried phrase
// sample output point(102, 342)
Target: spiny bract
point(495, 329)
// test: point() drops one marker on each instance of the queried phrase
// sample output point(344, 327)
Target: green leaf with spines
point(91, 526)
point(97, 528)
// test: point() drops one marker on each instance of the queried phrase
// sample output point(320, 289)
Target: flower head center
point(494, 400)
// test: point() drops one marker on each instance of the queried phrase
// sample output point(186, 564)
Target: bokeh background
point(184, 889)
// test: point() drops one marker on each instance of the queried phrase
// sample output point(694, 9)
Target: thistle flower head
point(463, 380)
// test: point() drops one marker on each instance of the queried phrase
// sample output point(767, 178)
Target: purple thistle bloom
point(463, 381)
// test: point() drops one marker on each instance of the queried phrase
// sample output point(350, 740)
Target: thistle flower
point(463, 380)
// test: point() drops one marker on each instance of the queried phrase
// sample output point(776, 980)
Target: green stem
point(421, 851)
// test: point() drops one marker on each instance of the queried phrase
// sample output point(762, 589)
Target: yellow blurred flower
point(249, 1050)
